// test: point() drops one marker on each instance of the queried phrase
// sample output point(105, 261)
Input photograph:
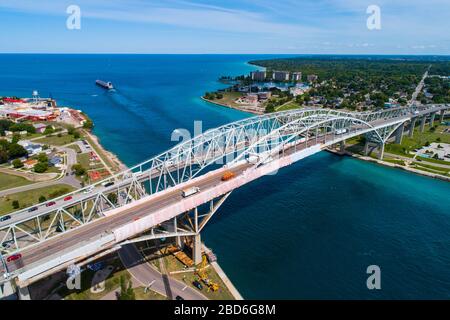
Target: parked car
point(198, 285)
point(32, 209)
point(51, 203)
point(68, 198)
point(14, 257)
point(107, 184)
point(4, 218)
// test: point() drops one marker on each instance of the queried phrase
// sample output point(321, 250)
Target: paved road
point(145, 274)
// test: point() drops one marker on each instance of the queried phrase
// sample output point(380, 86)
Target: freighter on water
point(107, 85)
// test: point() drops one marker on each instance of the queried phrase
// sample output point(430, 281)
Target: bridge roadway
point(101, 227)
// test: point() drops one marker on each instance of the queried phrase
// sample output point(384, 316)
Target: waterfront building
point(258, 75)
point(264, 95)
point(280, 76)
point(312, 77)
point(296, 76)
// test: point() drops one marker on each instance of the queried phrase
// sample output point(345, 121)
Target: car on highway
point(4, 218)
point(198, 285)
point(107, 184)
point(51, 203)
point(68, 198)
point(14, 257)
point(179, 298)
point(32, 209)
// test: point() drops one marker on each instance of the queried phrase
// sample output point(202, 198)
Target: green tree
point(88, 124)
point(70, 129)
point(49, 130)
point(126, 292)
point(40, 167)
point(76, 135)
point(17, 163)
point(78, 169)
point(15, 204)
point(42, 199)
point(16, 151)
point(112, 197)
point(42, 157)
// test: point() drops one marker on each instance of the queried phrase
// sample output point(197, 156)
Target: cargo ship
point(103, 84)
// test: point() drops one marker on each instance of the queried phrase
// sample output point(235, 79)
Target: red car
point(50, 203)
point(68, 198)
point(14, 257)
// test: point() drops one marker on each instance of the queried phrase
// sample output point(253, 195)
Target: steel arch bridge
point(253, 142)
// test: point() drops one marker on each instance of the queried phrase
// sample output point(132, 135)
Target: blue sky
point(212, 26)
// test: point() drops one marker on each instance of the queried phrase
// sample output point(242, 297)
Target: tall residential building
point(280, 76)
point(258, 75)
point(312, 77)
point(296, 76)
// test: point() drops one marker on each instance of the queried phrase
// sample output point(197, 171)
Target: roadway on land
point(161, 283)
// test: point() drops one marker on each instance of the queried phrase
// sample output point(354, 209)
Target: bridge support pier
point(433, 115)
point(441, 118)
point(342, 146)
point(399, 134)
point(197, 249)
point(23, 293)
point(422, 123)
point(381, 153)
point(412, 126)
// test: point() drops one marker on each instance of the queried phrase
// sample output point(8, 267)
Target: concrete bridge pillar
point(399, 134)
point(433, 115)
point(342, 146)
point(422, 123)
point(366, 148)
point(23, 293)
point(381, 154)
point(7, 291)
point(441, 119)
point(197, 249)
point(412, 126)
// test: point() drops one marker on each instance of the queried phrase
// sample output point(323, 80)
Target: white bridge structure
point(146, 202)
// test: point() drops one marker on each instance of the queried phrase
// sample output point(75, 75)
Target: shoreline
point(232, 107)
point(389, 165)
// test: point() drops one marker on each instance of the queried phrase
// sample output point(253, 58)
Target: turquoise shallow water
point(308, 232)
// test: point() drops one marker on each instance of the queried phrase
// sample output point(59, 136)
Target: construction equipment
point(204, 276)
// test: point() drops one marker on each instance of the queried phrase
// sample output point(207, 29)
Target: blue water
point(308, 232)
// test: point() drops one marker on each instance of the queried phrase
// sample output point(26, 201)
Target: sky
point(228, 26)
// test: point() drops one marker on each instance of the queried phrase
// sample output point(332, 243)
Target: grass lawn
point(229, 97)
point(57, 141)
point(31, 197)
point(289, 106)
point(418, 140)
point(8, 181)
point(100, 153)
point(434, 160)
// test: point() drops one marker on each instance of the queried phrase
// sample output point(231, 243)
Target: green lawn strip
point(31, 197)
point(434, 160)
point(395, 161)
point(100, 153)
point(289, 106)
point(57, 141)
point(8, 181)
point(439, 169)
